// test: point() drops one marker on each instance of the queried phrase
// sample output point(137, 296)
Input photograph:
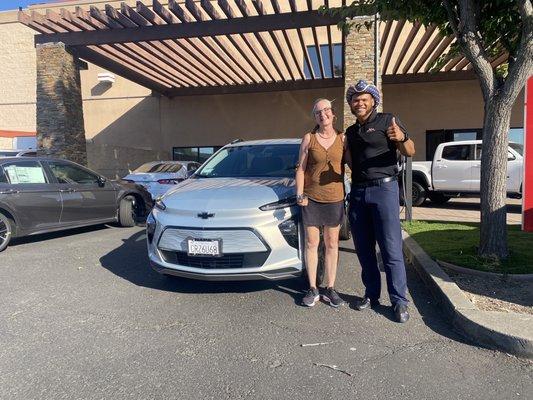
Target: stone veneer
point(60, 127)
point(358, 61)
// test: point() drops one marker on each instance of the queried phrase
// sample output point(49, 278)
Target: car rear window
point(270, 160)
point(159, 167)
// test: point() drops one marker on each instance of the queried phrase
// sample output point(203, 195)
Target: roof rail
point(235, 141)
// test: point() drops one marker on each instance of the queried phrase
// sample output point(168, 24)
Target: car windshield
point(268, 160)
point(518, 148)
point(159, 167)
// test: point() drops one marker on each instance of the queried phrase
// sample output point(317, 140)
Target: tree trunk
point(493, 236)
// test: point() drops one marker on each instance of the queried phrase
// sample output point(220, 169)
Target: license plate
point(204, 247)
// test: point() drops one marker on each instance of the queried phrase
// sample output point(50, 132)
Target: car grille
point(247, 260)
point(233, 240)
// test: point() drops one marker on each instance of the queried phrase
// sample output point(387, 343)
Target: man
point(371, 153)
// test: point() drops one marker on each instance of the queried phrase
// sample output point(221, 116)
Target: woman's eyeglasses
point(324, 110)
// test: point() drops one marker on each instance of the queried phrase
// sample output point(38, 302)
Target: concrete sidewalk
point(509, 332)
point(463, 210)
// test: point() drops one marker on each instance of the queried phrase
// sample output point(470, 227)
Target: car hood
point(227, 193)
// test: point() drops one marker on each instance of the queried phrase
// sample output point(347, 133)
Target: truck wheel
point(438, 198)
point(6, 231)
point(419, 194)
point(126, 212)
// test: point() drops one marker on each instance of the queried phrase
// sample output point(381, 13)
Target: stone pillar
point(359, 60)
point(60, 127)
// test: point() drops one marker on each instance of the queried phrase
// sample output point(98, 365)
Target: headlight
point(151, 224)
point(285, 203)
point(159, 204)
point(289, 230)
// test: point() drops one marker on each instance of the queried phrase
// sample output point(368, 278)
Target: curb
point(509, 332)
point(468, 271)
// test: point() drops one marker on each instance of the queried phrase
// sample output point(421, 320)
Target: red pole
point(527, 189)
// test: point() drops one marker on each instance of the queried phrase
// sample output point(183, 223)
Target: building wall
point(440, 105)
point(17, 75)
point(125, 125)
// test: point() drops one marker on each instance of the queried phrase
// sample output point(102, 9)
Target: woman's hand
point(302, 200)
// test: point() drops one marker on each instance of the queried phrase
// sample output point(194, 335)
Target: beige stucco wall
point(125, 125)
point(440, 105)
point(17, 75)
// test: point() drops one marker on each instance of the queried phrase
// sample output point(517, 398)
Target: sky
point(14, 4)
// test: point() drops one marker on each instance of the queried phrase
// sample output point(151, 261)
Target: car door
point(452, 171)
point(86, 197)
point(514, 171)
point(27, 191)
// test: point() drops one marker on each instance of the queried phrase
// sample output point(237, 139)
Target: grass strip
point(457, 243)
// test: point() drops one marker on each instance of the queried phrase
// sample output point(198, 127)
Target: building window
point(199, 154)
point(324, 52)
point(434, 138)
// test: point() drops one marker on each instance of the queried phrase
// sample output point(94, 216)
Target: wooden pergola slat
point(439, 51)
point(385, 35)
point(406, 46)
point(307, 59)
point(196, 12)
point(317, 45)
point(392, 45)
point(172, 49)
point(416, 52)
point(142, 52)
point(427, 53)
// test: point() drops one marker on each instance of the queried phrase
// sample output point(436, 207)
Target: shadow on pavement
point(57, 234)
point(130, 261)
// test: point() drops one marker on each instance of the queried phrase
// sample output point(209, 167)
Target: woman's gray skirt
point(323, 214)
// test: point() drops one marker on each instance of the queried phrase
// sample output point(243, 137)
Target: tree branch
point(522, 68)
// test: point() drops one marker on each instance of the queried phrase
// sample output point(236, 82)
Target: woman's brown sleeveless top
point(324, 171)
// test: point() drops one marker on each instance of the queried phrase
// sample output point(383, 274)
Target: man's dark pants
point(374, 217)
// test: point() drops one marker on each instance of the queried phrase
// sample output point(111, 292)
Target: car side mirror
point(101, 181)
point(190, 173)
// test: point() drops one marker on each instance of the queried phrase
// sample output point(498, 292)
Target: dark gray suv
point(40, 195)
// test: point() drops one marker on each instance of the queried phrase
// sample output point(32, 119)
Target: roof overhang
point(237, 46)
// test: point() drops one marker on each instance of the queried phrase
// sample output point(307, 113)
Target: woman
point(320, 193)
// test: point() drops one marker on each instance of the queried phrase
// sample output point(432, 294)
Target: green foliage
point(499, 25)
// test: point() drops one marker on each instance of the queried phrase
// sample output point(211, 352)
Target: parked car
point(456, 171)
point(235, 218)
point(18, 153)
point(39, 194)
point(159, 176)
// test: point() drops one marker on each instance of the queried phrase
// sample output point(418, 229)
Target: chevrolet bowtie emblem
point(205, 215)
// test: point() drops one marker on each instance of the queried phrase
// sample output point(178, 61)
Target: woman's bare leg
point(312, 239)
point(331, 242)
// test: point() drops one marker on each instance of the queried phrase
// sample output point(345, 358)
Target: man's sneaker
point(331, 296)
point(365, 303)
point(401, 314)
point(311, 297)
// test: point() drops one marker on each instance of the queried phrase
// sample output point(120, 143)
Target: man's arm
point(396, 134)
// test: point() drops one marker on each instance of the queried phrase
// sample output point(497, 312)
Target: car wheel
point(419, 194)
point(6, 231)
point(126, 212)
point(438, 198)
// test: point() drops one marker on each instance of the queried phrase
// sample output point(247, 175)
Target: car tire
point(438, 198)
point(6, 231)
point(419, 194)
point(126, 212)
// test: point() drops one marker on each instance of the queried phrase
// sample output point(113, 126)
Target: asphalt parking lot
point(83, 316)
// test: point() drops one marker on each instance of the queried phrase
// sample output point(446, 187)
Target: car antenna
point(235, 141)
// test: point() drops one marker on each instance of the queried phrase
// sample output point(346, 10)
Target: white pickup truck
point(456, 171)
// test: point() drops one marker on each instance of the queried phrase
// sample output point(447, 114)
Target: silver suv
point(235, 219)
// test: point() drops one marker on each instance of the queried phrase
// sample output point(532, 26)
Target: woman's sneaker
point(311, 297)
point(331, 296)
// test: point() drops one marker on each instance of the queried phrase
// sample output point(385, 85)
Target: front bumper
point(268, 257)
